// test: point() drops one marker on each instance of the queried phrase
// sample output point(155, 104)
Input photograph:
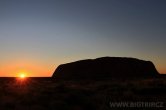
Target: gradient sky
point(38, 35)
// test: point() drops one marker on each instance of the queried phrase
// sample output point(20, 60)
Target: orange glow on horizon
point(34, 67)
point(30, 67)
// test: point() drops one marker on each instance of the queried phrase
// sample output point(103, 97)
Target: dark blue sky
point(46, 33)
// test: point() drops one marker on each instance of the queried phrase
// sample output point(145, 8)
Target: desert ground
point(51, 94)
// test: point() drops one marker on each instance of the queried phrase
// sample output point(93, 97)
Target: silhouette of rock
point(106, 67)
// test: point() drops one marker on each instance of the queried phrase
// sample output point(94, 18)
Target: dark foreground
point(49, 94)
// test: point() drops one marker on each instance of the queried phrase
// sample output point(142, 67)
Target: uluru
point(106, 67)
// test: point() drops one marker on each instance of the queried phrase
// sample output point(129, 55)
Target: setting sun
point(22, 75)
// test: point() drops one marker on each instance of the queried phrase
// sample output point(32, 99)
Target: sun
point(22, 75)
point(21, 79)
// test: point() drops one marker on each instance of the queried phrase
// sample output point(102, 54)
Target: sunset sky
point(38, 35)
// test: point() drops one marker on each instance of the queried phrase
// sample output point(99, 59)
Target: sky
point(38, 35)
